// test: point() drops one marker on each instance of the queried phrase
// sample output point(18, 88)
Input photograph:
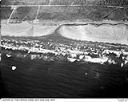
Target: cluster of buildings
point(50, 51)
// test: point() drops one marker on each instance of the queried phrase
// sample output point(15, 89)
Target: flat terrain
point(104, 31)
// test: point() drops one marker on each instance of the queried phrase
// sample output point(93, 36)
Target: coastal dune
point(110, 33)
point(42, 30)
point(102, 33)
point(26, 29)
point(15, 29)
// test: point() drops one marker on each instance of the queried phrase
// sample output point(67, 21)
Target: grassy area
point(61, 13)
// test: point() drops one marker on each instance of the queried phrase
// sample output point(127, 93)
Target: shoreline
point(77, 21)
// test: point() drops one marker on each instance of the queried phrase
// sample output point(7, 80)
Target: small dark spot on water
point(101, 87)
point(127, 79)
point(97, 75)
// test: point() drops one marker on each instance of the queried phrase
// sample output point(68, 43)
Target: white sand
point(15, 29)
point(43, 30)
point(26, 29)
point(104, 33)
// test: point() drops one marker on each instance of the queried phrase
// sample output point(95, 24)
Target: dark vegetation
point(114, 2)
point(5, 12)
point(96, 10)
point(67, 2)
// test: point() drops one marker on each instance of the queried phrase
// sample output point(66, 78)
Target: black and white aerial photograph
point(64, 49)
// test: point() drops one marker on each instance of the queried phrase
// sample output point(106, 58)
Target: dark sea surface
point(61, 79)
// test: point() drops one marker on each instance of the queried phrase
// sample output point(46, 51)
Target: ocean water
point(61, 79)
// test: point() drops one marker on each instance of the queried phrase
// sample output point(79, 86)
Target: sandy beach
point(113, 32)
